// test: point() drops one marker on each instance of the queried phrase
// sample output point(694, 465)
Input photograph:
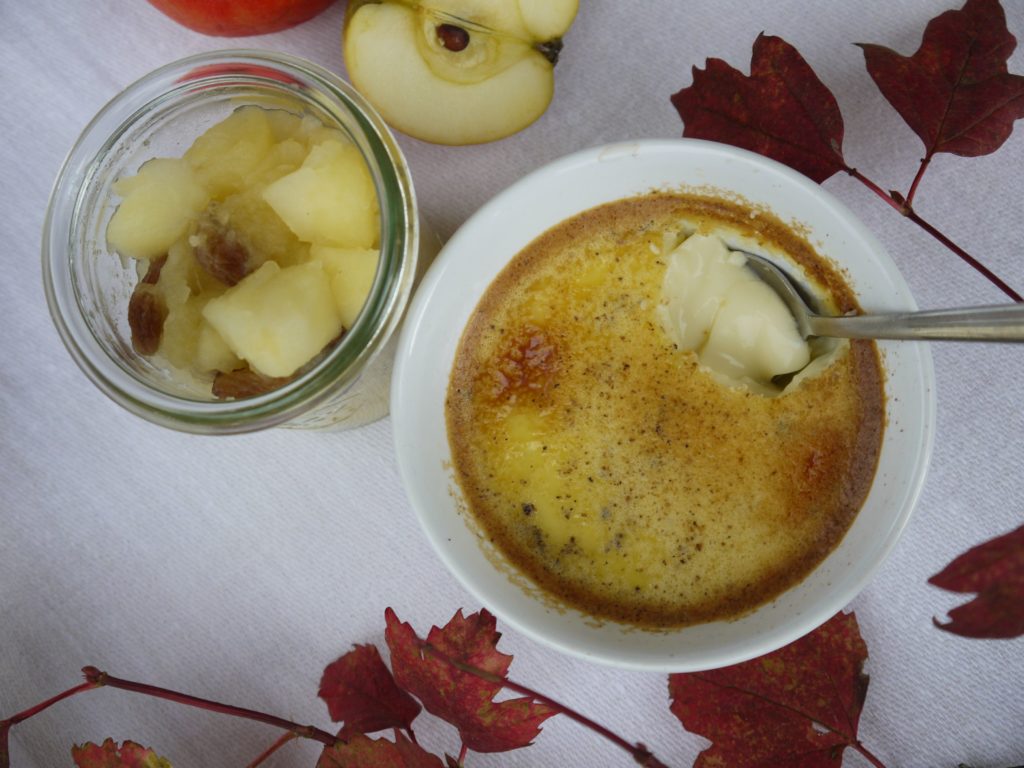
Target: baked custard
point(619, 472)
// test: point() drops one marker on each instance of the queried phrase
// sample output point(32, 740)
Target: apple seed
point(452, 37)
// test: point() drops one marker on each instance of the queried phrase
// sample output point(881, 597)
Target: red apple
point(238, 18)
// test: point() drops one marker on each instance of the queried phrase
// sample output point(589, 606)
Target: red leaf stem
point(891, 198)
point(985, 271)
point(284, 739)
point(867, 754)
point(640, 753)
point(6, 725)
point(98, 678)
point(35, 710)
point(917, 179)
point(903, 205)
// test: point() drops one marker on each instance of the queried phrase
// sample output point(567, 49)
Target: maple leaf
point(363, 752)
point(463, 699)
point(798, 706)
point(955, 91)
point(782, 110)
point(995, 571)
point(110, 755)
point(360, 691)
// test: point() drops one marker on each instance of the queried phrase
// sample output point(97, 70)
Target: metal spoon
point(1001, 322)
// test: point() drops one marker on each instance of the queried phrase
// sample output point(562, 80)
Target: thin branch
point(870, 757)
point(917, 179)
point(284, 739)
point(95, 676)
point(893, 200)
point(901, 204)
point(993, 278)
point(35, 710)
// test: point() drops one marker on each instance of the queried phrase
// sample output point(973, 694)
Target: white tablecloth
point(237, 568)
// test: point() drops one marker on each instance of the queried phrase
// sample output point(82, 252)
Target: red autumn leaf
point(798, 707)
point(955, 91)
point(360, 691)
point(364, 752)
point(110, 755)
point(464, 699)
point(782, 110)
point(995, 571)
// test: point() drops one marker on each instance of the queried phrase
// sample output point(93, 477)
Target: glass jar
point(88, 286)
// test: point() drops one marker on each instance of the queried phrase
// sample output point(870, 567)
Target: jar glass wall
point(88, 286)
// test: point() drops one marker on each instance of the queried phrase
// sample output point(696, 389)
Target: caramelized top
point(611, 469)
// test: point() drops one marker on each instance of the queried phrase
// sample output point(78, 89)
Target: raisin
point(245, 382)
point(147, 312)
point(452, 37)
point(153, 273)
point(219, 252)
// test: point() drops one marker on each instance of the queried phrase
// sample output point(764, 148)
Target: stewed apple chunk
point(330, 199)
point(277, 319)
point(351, 272)
point(158, 204)
point(256, 249)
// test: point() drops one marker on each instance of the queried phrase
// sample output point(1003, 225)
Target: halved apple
point(456, 71)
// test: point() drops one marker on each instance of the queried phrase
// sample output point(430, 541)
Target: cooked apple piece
point(157, 205)
point(329, 200)
point(223, 238)
point(259, 229)
point(457, 71)
point(228, 152)
point(179, 278)
point(212, 352)
point(283, 124)
point(181, 329)
point(351, 272)
point(283, 158)
point(277, 319)
point(316, 132)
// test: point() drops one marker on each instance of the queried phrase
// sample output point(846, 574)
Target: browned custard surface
point(615, 473)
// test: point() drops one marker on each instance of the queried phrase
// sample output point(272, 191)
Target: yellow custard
point(617, 472)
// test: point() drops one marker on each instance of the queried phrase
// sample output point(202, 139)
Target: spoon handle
point(1001, 322)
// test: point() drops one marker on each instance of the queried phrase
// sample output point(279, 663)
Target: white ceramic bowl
point(496, 233)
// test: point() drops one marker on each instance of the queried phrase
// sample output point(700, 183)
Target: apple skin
point(240, 18)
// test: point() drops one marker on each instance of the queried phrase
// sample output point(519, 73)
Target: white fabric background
point(238, 568)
